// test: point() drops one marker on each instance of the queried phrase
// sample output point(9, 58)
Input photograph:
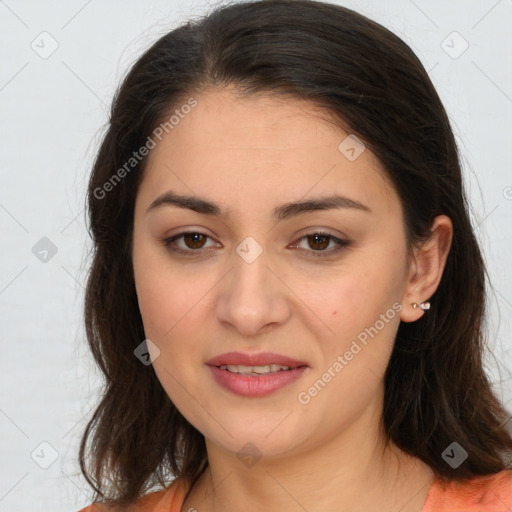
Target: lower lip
point(255, 385)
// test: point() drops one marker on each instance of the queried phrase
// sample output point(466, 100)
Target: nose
point(253, 296)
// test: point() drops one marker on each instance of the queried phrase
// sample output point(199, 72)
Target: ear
point(426, 268)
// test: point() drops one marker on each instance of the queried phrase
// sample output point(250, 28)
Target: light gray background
point(52, 113)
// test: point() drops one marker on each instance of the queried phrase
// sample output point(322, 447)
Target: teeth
point(251, 370)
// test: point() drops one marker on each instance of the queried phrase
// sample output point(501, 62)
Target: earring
point(423, 305)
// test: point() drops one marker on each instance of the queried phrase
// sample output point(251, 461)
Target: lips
point(261, 359)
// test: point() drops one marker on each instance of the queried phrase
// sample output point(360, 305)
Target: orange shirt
point(490, 493)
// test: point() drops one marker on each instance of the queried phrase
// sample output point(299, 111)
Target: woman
point(287, 296)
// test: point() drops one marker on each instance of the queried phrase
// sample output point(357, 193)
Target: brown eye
point(194, 240)
point(318, 241)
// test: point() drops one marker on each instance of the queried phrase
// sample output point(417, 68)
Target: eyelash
point(319, 253)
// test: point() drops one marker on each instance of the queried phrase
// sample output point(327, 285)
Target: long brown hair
point(436, 389)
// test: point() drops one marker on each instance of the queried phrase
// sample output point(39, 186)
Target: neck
point(353, 471)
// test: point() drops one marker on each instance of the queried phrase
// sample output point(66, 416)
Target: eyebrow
point(282, 212)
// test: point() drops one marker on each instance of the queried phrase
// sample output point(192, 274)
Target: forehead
point(223, 118)
point(242, 147)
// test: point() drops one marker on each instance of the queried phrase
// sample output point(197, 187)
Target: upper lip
point(261, 359)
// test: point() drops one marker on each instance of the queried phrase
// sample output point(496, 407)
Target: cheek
point(356, 298)
point(164, 295)
point(354, 359)
point(168, 302)
point(361, 310)
point(174, 304)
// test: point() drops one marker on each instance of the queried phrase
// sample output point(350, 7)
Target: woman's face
point(254, 279)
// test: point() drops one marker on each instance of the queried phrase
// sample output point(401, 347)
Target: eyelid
point(341, 243)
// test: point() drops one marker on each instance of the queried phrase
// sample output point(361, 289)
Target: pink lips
point(255, 385)
point(254, 359)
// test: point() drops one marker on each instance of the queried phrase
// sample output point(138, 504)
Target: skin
point(250, 155)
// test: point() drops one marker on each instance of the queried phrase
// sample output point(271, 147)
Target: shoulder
point(489, 493)
point(169, 499)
